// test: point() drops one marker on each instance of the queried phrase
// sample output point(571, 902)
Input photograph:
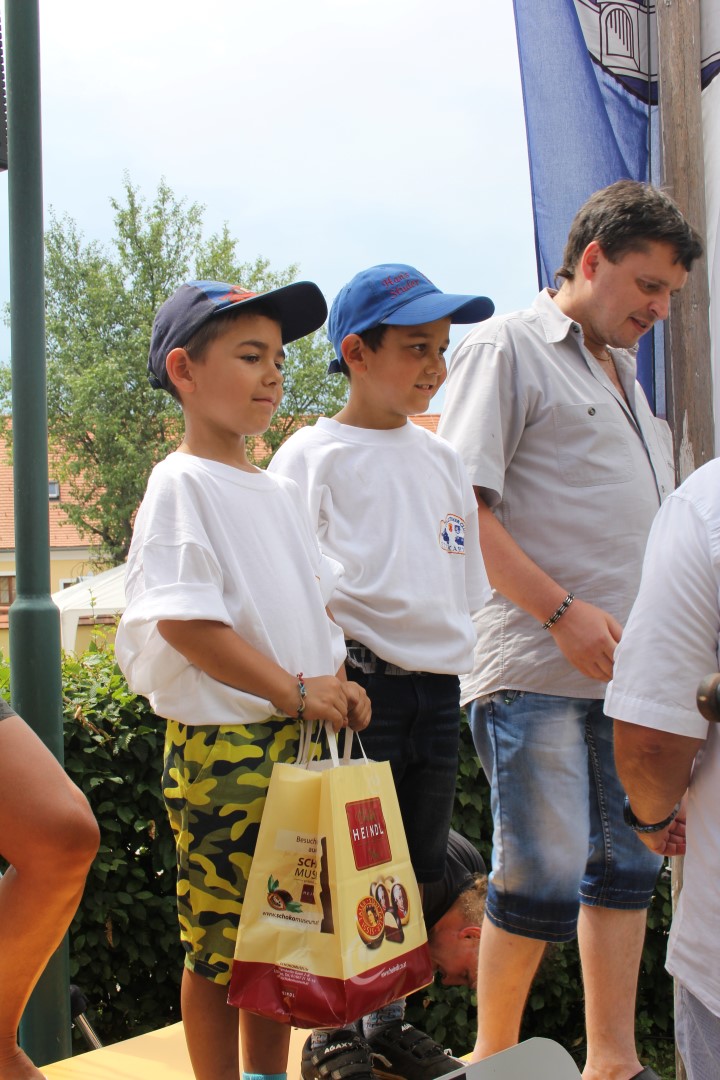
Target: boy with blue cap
point(392, 502)
point(226, 632)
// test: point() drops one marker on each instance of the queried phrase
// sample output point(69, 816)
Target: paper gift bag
point(332, 924)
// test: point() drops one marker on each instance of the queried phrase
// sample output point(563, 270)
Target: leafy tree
point(106, 425)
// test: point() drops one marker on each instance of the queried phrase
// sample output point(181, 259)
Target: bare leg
point(49, 836)
point(265, 1044)
point(611, 943)
point(211, 1028)
point(506, 966)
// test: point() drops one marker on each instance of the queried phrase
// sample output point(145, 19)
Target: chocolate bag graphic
point(332, 923)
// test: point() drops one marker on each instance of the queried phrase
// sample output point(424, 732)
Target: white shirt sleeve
point(173, 560)
point(477, 583)
point(670, 642)
point(484, 413)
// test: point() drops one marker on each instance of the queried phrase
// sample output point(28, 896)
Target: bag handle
point(308, 740)
point(347, 745)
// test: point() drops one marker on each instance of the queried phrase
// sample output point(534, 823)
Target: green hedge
point(125, 952)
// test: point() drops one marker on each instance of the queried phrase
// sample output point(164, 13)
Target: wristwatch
point(637, 826)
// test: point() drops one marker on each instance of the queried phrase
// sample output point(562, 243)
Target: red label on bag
point(368, 835)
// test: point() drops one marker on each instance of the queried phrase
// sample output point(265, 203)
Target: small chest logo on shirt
point(452, 534)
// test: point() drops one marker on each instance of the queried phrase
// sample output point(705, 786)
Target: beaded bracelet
point(560, 611)
point(303, 694)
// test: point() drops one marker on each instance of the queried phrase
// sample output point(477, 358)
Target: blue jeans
point(559, 838)
point(416, 727)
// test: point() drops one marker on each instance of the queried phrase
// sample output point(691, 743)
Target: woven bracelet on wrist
point(560, 611)
point(657, 826)
point(303, 694)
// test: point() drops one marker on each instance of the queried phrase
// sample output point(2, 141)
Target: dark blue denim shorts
point(416, 727)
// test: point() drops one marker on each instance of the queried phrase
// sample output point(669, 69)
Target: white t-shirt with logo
point(397, 509)
point(215, 542)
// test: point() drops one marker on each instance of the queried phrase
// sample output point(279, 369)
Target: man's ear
point(179, 367)
point(353, 351)
point(471, 933)
point(590, 260)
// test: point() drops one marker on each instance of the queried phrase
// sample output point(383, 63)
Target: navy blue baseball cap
point(300, 306)
point(393, 294)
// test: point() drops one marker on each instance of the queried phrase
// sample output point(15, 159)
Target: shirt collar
point(556, 324)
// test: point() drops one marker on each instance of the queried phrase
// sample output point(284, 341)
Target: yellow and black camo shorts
point(215, 782)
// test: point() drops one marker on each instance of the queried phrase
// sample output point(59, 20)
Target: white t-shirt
point(671, 642)
point(573, 472)
point(397, 509)
point(215, 542)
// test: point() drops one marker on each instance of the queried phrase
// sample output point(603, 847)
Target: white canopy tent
point(103, 594)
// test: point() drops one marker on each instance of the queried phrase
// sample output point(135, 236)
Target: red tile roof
point(427, 420)
point(62, 533)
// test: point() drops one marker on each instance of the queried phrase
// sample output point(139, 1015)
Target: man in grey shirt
point(569, 467)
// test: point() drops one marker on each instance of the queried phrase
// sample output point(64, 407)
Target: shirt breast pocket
point(591, 443)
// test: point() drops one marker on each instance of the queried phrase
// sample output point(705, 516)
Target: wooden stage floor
point(159, 1055)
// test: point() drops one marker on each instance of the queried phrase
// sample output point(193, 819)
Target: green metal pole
point(35, 673)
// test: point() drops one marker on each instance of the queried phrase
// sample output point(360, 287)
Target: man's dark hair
point(373, 338)
point(627, 216)
point(198, 344)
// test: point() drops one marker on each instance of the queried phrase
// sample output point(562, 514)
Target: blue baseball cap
point(393, 294)
point(301, 308)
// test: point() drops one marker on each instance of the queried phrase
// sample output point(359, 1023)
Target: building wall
point(66, 565)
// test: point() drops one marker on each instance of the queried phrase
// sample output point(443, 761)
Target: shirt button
point(576, 328)
point(591, 411)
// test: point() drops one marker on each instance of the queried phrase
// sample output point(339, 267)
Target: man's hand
point(671, 841)
point(587, 636)
point(358, 706)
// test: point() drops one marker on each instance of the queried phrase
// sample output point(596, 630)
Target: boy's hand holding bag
point(332, 925)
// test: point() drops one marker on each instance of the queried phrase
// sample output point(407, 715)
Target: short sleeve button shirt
point(574, 473)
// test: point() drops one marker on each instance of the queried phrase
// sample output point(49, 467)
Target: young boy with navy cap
point(226, 632)
point(394, 505)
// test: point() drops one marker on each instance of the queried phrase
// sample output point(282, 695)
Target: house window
point(53, 489)
point(7, 589)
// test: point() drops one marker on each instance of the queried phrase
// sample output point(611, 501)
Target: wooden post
point(687, 354)
point(688, 374)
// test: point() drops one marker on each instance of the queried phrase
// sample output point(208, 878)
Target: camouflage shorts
point(214, 783)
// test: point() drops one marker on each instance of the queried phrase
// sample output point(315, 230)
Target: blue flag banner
point(589, 78)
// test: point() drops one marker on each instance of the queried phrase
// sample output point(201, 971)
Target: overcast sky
point(332, 133)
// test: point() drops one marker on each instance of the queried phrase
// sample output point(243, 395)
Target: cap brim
point(301, 306)
point(424, 309)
